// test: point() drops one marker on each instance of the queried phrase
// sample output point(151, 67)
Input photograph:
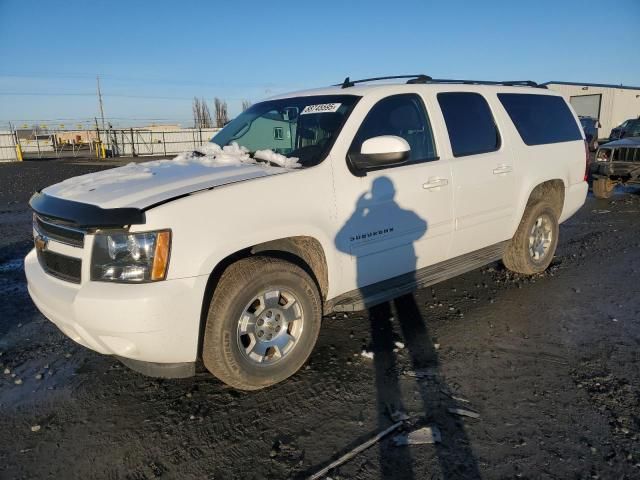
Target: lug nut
point(260, 333)
point(260, 322)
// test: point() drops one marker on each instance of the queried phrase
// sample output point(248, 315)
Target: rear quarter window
point(540, 119)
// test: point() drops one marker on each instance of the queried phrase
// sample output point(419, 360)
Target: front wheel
point(603, 187)
point(532, 248)
point(262, 324)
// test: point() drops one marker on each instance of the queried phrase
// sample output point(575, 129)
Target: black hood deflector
point(85, 215)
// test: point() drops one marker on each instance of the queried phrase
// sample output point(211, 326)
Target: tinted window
point(469, 122)
point(540, 119)
point(403, 116)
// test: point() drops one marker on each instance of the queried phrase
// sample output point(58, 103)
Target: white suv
point(325, 200)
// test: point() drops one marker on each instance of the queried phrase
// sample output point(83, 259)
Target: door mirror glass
point(381, 151)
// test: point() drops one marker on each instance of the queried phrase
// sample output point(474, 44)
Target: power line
point(153, 80)
point(114, 95)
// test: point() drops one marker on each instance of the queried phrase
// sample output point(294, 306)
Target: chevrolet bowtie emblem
point(41, 243)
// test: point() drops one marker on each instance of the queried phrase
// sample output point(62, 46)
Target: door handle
point(435, 183)
point(502, 169)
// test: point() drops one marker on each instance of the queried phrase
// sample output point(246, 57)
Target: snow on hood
point(143, 184)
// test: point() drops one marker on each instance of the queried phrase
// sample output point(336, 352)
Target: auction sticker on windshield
point(321, 108)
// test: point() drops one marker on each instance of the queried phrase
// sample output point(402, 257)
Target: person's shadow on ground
point(377, 211)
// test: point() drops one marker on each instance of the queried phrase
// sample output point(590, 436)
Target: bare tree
point(201, 114)
point(222, 117)
point(245, 105)
point(195, 109)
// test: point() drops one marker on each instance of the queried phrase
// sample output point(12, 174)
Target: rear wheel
point(532, 247)
point(603, 187)
point(262, 324)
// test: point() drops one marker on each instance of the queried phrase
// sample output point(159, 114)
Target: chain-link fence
point(8, 152)
point(101, 143)
point(136, 142)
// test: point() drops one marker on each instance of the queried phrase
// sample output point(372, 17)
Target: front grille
point(59, 232)
point(60, 266)
point(626, 154)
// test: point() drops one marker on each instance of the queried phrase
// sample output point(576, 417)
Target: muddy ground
point(550, 363)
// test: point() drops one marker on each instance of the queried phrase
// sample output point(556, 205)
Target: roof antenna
point(347, 83)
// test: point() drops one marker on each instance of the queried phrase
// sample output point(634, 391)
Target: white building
point(611, 104)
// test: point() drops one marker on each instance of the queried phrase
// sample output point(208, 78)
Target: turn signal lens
point(161, 257)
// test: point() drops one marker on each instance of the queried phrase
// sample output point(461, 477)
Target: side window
point(470, 124)
point(634, 129)
point(404, 116)
point(540, 119)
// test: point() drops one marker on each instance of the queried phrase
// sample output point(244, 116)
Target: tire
point(603, 187)
point(251, 338)
point(531, 249)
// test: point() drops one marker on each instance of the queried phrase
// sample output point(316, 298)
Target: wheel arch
point(304, 251)
point(551, 190)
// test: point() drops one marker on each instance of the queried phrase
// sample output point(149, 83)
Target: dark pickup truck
point(616, 162)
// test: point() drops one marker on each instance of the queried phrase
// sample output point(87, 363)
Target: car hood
point(141, 185)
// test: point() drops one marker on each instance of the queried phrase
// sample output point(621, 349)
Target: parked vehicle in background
point(628, 128)
point(335, 199)
point(590, 128)
point(616, 162)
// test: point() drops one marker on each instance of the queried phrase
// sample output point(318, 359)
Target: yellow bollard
point(104, 150)
point(19, 152)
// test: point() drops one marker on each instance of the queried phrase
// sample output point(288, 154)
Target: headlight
point(131, 257)
point(603, 155)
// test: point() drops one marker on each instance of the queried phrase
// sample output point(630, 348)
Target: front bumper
point(616, 170)
point(153, 322)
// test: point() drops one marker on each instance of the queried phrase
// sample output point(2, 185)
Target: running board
point(386, 290)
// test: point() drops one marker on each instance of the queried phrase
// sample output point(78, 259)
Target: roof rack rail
point(508, 83)
point(420, 78)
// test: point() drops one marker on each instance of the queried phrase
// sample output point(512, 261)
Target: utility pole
point(100, 102)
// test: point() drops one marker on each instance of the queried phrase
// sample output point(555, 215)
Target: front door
point(398, 219)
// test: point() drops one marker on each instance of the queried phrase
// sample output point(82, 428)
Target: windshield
point(298, 127)
point(633, 128)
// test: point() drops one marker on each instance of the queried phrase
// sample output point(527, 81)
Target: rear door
point(483, 171)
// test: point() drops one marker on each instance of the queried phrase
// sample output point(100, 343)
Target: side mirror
point(382, 151)
point(598, 125)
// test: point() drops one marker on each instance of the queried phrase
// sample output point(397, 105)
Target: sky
point(153, 57)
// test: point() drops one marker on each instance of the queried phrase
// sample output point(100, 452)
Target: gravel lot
point(551, 364)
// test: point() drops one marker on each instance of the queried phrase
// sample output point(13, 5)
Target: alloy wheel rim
point(540, 238)
point(270, 326)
